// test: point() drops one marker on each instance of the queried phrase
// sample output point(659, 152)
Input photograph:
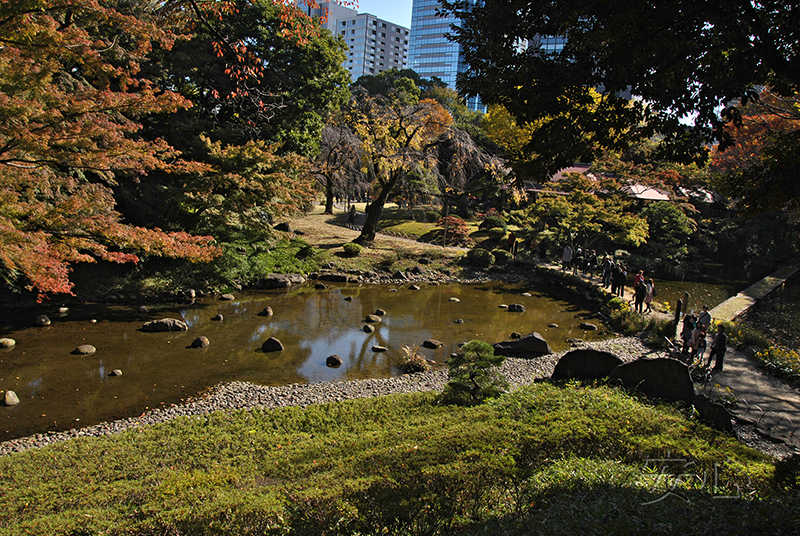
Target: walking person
point(566, 258)
point(718, 347)
point(651, 293)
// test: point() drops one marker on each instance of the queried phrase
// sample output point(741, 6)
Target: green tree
point(681, 59)
point(669, 229)
point(473, 375)
point(580, 214)
point(258, 70)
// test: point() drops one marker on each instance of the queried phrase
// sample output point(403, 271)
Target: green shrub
point(431, 216)
point(496, 233)
point(352, 249)
point(479, 257)
point(473, 376)
point(493, 222)
point(501, 256)
point(658, 330)
point(783, 362)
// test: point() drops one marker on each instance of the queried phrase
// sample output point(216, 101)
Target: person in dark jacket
point(718, 348)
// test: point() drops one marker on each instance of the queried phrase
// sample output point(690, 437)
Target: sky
point(396, 11)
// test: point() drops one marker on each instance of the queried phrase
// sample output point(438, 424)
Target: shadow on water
point(59, 390)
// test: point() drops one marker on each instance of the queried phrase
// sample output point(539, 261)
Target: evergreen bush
point(493, 222)
point(482, 258)
point(473, 376)
point(352, 249)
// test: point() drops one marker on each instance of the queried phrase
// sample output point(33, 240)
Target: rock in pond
point(200, 342)
point(320, 286)
point(227, 297)
point(266, 312)
point(7, 343)
point(115, 372)
point(453, 299)
point(373, 318)
point(84, 349)
point(10, 398)
point(458, 321)
point(333, 361)
point(380, 312)
point(369, 328)
point(413, 287)
point(587, 326)
point(532, 343)
point(516, 308)
point(217, 317)
point(379, 349)
point(272, 345)
point(165, 324)
point(432, 344)
point(42, 320)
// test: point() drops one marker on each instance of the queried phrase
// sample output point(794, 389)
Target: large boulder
point(585, 364)
point(281, 281)
point(667, 379)
point(272, 345)
point(532, 343)
point(165, 324)
point(338, 278)
point(712, 413)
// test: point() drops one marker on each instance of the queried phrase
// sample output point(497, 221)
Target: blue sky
point(396, 11)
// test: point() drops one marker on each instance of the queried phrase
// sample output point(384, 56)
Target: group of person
point(694, 337)
point(614, 276)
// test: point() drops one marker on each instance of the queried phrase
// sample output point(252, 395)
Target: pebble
point(238, 395)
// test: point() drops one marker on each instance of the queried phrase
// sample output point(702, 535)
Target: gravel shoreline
point(240, 395)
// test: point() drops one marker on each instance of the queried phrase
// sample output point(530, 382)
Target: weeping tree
point(338, 165)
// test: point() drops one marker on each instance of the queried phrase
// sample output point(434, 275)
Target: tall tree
point(681, 59)
point(258, 70)
point(397, 136)
point(70, 93)
point(338, 163)
point(761, 169)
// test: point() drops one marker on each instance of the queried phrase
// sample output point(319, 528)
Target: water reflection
point(58, 389)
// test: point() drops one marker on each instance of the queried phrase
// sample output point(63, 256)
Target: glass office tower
point(431, 53)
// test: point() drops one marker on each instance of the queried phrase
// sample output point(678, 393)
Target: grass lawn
point(542, 460)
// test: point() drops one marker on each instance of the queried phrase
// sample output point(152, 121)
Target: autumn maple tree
point(69, 99)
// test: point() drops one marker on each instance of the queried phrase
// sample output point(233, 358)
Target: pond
point(60, 391)
point(711, 294)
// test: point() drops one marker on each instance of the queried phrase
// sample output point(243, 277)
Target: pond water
point(669, 292)
point(60, 391)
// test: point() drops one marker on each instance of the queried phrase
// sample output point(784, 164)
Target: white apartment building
point(374, 45)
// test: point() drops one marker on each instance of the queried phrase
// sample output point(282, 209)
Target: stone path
point(766, 403)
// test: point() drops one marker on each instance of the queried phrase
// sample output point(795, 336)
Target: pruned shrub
point(431, 216)
point(456, 230)
point(482, 258)
point(473, 375)
point(501, 256)
point(351, 249)
point(496, 233)
point(493, 222)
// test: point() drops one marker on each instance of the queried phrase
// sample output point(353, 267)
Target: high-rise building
point(432, 54)
point(374, 45)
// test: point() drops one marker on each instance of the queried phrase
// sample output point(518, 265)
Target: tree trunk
point(328, 195)
point(374, 211)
